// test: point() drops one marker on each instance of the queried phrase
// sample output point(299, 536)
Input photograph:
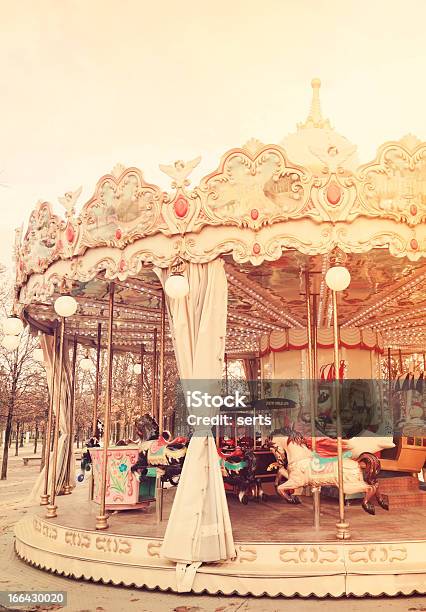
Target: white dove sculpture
point(180, 170)
point(334, 158)
point(69, 200)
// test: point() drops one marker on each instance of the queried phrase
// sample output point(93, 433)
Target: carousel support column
point(96, 401)
point(161, 364)
point(311, 395)
point(51, 508)
point(96, 394)
point(390, 406)
point(154, 377)
point(102, 518)
point(44, 500)
point(342, 526)
point(142, 374)
point(68, 488)
point(227, 393)
point(315, 346)
point(159, 481)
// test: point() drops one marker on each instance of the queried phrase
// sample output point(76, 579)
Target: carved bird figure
point(334, 158)
point(69, 200)
point(180, 170)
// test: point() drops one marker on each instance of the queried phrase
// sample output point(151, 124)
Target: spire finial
point(315, 118)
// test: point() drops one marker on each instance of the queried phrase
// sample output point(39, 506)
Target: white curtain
point(199, 528)
point(47, 344)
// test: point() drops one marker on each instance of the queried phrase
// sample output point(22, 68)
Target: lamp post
point(65, 306)
point(338, 279)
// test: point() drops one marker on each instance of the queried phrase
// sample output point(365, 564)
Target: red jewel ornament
point(413, 210)
point(334, 193)
point(70, 233)
point(118, 233)
point(254, 214)
point(181, 206)
point(256, 248)
point(414, 244)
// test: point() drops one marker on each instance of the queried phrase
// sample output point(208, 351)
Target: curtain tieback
point(185, 576)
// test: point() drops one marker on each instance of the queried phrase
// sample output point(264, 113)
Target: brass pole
point(51, 508)
point(390, 406)
point(154, 377)
point(102, 518)
point(315, 346)
point(312, 399)
point(97, 376)
point(44, 500)
point(342, 526)
point(142, 373)
point(161, 363)
point(68, 488)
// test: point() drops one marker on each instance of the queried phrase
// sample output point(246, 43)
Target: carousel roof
point(272, 212)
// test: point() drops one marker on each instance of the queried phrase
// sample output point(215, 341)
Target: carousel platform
point(278, 550)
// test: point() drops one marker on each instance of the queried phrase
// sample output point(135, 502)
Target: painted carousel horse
point(238, 467)
point(307, 467)
point(159, 451)
point(281, 475)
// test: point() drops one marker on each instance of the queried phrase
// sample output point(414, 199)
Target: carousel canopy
point(272, 212)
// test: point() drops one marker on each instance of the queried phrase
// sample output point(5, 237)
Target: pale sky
point(89, 83)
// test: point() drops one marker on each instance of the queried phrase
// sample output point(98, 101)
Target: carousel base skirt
point(278, 551)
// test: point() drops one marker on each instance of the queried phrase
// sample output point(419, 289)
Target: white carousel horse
point(305, 467)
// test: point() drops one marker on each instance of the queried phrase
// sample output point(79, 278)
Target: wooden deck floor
point(271, 521)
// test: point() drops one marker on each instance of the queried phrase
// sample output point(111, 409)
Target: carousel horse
point(238, 467)
point(316, 468)
point(155, 450)
point(281, 475)
point(159, 451)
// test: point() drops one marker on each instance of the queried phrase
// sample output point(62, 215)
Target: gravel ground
point(89, 597)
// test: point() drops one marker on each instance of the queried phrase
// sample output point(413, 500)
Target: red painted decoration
point(334, 193)
point(181, 206)
point(122, 265)
point(414, 244)
point(413, 209)
point(254, 214)
point(118, 233)
point(256, 248)
point(70, 233)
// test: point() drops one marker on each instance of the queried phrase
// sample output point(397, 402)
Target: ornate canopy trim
point(255, 205)
point(297, 339)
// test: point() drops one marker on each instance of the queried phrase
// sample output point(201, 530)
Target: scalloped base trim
point(275, 569)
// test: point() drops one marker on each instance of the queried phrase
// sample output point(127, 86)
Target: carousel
point(307, 270)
